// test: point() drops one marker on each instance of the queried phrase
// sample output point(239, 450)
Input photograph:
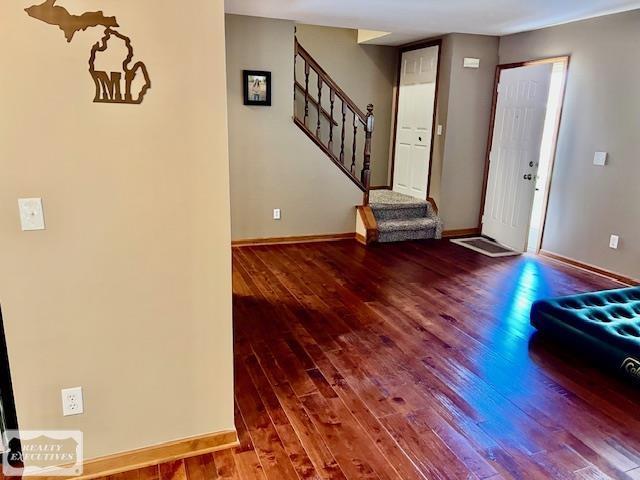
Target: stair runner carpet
point(401, 217)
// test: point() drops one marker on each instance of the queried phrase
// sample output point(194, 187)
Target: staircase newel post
point(365, 177)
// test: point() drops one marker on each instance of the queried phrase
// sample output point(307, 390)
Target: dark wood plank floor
point(412, 361)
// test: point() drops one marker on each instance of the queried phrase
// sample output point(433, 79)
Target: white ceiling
point(416, 19)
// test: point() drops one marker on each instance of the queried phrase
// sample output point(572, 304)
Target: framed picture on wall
point(257, 88)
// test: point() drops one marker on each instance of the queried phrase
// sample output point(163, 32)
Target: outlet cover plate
point(72, 401)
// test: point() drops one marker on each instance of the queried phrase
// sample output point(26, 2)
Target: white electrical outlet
point(613, 242)
point(72, 402)
point(439, 130)
point(276, 214)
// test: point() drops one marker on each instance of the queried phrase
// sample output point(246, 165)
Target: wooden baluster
point(295, 76)
point(319, 106)
point(344, 122)
point(365, 176)
point(306, 91)
point(332, 99)
point(367, 120)
point(355, 138)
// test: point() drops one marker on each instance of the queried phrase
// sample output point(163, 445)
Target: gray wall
point(601, 113)
point(367, 73)
point(273, 163)
point(442, 110)
point(464, 108)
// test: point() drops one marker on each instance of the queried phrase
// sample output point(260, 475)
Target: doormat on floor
point(485, 246)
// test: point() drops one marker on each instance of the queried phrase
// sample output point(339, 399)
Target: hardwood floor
point(412, 361)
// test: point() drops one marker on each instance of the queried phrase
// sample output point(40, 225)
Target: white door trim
point(566, 60)
point(432, 133)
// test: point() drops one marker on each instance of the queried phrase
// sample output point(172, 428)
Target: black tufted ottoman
point(606, 324)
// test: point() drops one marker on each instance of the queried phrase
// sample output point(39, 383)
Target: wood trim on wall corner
point(433, 203)
point(253, 242)
point(463, 232)
point(370, 224)
point(155, 455)
point(590, 268)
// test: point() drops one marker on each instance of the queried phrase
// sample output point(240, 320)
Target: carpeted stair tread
point(406, 235)
point(407, 225)
point(390, 206)
point(401, 217)
point(388, 200)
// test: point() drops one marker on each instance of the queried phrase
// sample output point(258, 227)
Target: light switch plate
point(613, 242)
point(600, 159)
point(31, 214)
point(439, 130)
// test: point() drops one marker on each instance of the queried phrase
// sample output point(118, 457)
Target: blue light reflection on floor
point(525, 285)
point(515, 294)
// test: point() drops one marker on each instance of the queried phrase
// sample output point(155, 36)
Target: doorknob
point(419, 139)
point(528, 177)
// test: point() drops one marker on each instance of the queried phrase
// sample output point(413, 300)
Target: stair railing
point(350, 116)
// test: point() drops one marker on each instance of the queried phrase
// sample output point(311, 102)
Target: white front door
point(515, 151)
point(416, 103)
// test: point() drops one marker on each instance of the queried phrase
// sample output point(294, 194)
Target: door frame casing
point(566, 60)
point(403, 49)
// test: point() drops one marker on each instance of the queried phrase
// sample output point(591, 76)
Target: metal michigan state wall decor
point(126, 83)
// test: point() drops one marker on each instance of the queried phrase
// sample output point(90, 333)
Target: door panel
point(416, 103)
point(402, 176)
point(517, 137)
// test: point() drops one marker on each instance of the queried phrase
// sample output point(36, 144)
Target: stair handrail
point(366, 120)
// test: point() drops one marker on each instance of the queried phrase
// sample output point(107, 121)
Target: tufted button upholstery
point(611, 317)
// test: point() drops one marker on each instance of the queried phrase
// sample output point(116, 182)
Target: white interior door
point(416, 103)
point(515, 152)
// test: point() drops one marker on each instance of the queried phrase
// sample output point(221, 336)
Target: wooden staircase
point(326, 114)
point(332, 120)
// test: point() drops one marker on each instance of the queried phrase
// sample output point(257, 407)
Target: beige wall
point(465, 99)
point(127, 293)
point(601, 113)
point(367, 73)
point(273, 163)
